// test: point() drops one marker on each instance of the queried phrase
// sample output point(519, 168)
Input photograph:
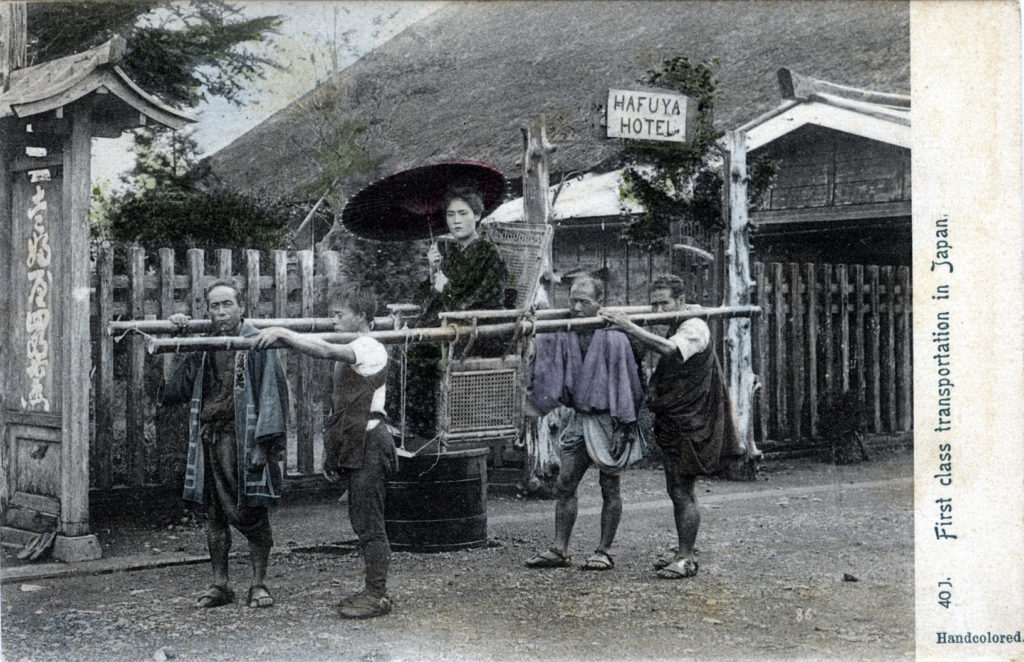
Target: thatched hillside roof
point(460, 83)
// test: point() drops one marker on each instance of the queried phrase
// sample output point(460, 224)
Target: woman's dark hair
point(360, 299)
point(467, 194)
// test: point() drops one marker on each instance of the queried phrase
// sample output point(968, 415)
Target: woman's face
point(461, 220)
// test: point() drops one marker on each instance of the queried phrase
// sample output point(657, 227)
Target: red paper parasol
point(407, 205)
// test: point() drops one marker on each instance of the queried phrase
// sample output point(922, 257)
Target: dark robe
point(345, 438)
point(477, 278)
point(260, 407)
point(693, 418)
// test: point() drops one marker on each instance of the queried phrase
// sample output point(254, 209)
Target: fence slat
point(304, 406)
point(797, 367)
point(858, 334)
point(875, 328)
point(811, 285)
point(844, 327)
point(224, 264)
point(889, 354)
point(330, 269)
point(826, 329)
point(196, 270)
point(761, 353)
point(280, 284)
point(718, 281)
point(252, 283)
point(280, 305)
point(167, 298)
point(105, 374)
point(135, 420)
point(779, 330)
point(905, 353)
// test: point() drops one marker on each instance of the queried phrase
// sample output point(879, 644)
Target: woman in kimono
point(468, 275)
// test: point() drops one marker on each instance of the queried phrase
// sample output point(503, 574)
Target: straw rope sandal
point(215, 596)
point(550, 559)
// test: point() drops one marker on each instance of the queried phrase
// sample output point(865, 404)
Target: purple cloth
point(606, 379)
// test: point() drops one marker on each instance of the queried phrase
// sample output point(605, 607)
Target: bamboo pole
point(326, 324)
point(300, 324)
point(453, 332)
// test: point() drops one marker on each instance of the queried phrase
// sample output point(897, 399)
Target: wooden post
point(74, 335)
point(287, 358)
point(304, 406)
point(906, 377)
point(826, 328)
point(844, 327)
point(105, 374)
point(812, 347)
point(889, 360)
point(252, 283)
point(167, 297)
point(763, 354)
point(536, 150)
point(196, 293)
point(135, 416)
point(224, 265)
point(797, 366)
point(876, 382)
point(7, 128)
point(741, 373)
point(858, 336)
point(779, 367)
point(280, 283)
point(330, 268)
point(541, 452)
point(13, 40)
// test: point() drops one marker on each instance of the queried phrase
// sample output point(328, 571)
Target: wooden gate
point(49, 114)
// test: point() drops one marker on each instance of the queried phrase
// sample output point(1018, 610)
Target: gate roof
point(57, 83)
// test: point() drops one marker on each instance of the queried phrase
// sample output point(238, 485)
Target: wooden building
point(842, 188)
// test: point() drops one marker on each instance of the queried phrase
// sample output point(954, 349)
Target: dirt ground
point(777, 560)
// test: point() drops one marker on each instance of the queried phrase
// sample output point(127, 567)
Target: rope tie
point(138, 331)
point(403, 377)
point(474, 333)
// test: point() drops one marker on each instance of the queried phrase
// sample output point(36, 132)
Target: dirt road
point(773, 556)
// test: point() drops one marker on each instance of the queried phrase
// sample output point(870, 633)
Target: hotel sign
point(650, 115)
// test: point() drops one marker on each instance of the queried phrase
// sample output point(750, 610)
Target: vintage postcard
point(676, 330)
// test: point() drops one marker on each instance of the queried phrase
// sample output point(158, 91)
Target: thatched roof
point(461, 82)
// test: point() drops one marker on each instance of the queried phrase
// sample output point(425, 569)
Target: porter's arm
point(661, 345)
point(307, 344)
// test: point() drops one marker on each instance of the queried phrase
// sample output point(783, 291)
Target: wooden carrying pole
point(300, 324)
point(453, 332)
point(326, 324)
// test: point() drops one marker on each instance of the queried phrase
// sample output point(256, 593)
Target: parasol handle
point(435, 265)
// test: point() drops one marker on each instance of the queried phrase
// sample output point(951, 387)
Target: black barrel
point(437, 502)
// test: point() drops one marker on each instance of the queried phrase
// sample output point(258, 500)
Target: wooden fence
point(131, 435)
point(824, 329)
point(828, 329)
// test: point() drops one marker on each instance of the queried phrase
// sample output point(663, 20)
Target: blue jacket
point(261, 411)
